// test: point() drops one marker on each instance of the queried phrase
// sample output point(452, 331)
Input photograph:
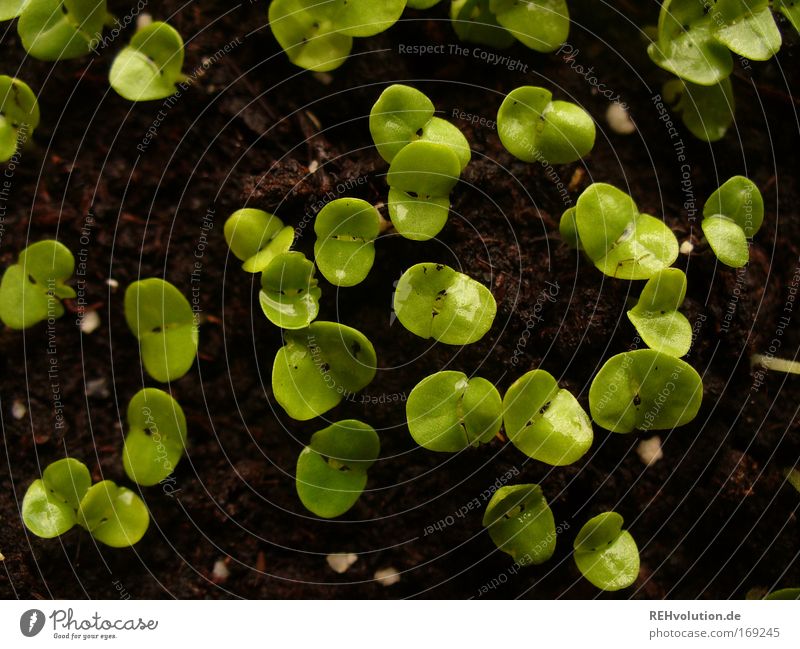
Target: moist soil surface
point(143, 190)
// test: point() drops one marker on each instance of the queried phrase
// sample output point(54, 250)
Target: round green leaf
point(156, 437)
point(420, 178)
point(645, 390)
point(19, 115)
point(541, 25)
point(257, 237)
point(687, 46)
point(521, 524)
point(435, 301)
point(544, 421)
point(332, 469)
point(289, 293)
point(113, 515)
point(707, 111)
point(346, 229)
point(61, 29)
point(533, 127)
point(50, 505)
point(740, 200)
point(319, 366)
point(30, 290)
point(656, 315)
point(150, 66)
point(727, 240)
point(10, 9)
point(621, 242)
point(449, 412)
point(606, 554)
point(163, 321)
point(746, 27)
point(474, 22)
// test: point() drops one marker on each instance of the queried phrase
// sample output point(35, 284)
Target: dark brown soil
point(713, 519)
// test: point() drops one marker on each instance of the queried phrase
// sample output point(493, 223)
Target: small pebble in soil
point(220, 572)
point(97, 388)
point(387, 576)
point(2, 557)
point(649, 450)
point(90, 322)
point(341, 561)
point(619, 119)
point(143, 21)
point(313, 166)
point(18, 409)
point(112, 283)
point(687, 247)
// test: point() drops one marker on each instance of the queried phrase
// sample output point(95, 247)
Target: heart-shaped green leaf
point(645, 390)
point(521, 523)
point(449, 412)
point(257, 237)
point(346, 229)
point(731, 216)
point(435, 301)
point(50, 505)
point(746, 27)
point(474, 22)
point(656, 316)
point(163, 321)
point(319, 366)
point(541, 25)
point(113, 515)
point(289, 293)
point(51, 30)
point(332, 469)
point(156, 437)
point(544, 421)
point(707, 111)
point(606, 554)
point(19, 115)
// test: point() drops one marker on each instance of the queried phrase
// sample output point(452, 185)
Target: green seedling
point(533, 127)
point(731, 216)
point(435, 301)
point(707, 111)
point(645, 390)
point(63, 497)
point(32, 289)
point(256, 237)
point(784, 593)
point(150, 66)
point(541, 25)
point(289, 293)
point(656, 317)
point(521, 524)
point(695, 39)
point(420, 179)
point(332, 469)
point(403, 115)
point(51, 30)
point(162, 320)
point(622, 243)
point(319, 366)
point(606, 554)
point(318, 34)
point(19, 115)
point(449, 412)
point(544, 421)
point(346, 230)
point(156, 437)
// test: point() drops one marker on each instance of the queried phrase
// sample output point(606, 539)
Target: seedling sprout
point(544, 421)
point(656, 316)
point(521, 524)
point(449, 412)
point(606, 554)
point(256, 237)
point(319, 366)
point(332, 469)
point(645, 390)
point(533, 127)
point(162, 320)
point(289, 293)
point(156, 437)
point(32, 289)
point(435, 301)
point(19, 115)
point(707, 111)
point(731, 216)
point(346, 229)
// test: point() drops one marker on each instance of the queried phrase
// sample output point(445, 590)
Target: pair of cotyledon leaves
point(521, 524)
point(64, 497)
point(695, 38)
point(19, 115)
